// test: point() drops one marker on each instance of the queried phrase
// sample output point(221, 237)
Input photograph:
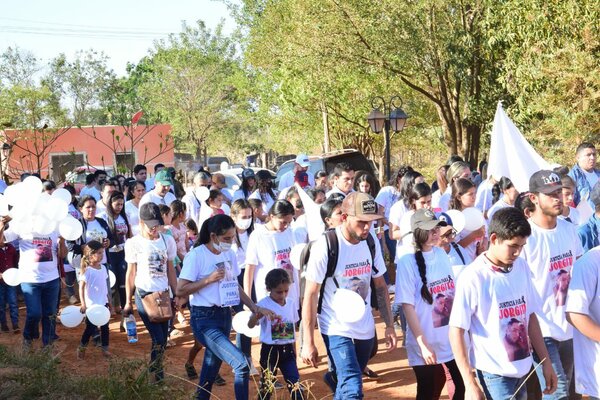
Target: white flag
point(510, 153)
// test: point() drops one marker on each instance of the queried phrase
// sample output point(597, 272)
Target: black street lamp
point(391, 118)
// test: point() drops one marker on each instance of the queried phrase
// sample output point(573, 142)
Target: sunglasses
point(451, 234)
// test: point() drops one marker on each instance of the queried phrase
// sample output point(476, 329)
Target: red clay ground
point(396, 377)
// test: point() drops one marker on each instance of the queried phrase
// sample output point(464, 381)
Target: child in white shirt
point(278, 336)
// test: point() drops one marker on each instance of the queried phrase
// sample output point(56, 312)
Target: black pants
point(282, 357)
point(90, 330)
point(431, 380)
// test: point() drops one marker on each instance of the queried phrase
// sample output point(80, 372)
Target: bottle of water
point(131, 329)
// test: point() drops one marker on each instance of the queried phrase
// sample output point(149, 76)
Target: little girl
point(277, 336)
point(93, 290)
point(463, 196)
point(191, 231)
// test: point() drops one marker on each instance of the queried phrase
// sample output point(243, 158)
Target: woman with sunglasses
point(459, 257)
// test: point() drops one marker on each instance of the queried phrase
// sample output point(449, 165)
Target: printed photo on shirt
point(282, 258)
point(43, 249)
point(513, 328)
point(281, 330)
point(157, 262)
point(94, 234)
point(442, 291)
point(357, 277)
point(226, 265)
point(561, 287)
point(358, 285)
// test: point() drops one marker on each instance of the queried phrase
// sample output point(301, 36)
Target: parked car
point(328, 161)
point(76, 177)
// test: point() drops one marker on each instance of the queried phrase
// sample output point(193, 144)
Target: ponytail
point(217, 224)
point(420, 236)
point(503, 184)
point(495, 193)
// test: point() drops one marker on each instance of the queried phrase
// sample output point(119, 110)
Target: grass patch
point(39, 375)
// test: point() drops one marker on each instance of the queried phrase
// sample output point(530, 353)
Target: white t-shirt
point(387, 197)
point(151, 257)
point(484, 196)
point(354, 271)
point(287, 180)
point(268, 250)
point(86, 191)
point(95, 231)
point(456, 261)
point(335, 189)
point(100, 207)
point(434, 317)
point(120, 228)
point(192, 206)
point(152, 197)
point(240, 251)
point(96, 288)
point(133, 215)
point(199, 263)
point(38, 256)
point(444, 202)
point(573, 216)
point(492, 305)
point(500, 204)
point(406, 236)
point(267, 200)
point(550, 254)
point(584, 298)
point(471, 249)
point(280, 330)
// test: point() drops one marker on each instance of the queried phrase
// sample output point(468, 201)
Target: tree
point(83, 83)
point(187, 81)
point(437, 50)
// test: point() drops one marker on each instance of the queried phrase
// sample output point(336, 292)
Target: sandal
point(191, 371)
point(370, 373)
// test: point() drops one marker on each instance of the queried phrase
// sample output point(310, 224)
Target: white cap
point(302, 160)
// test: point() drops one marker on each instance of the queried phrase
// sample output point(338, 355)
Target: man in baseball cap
point(349, 344)
point(301, 164)
point(161, 193)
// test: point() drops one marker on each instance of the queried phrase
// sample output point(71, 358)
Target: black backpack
point(332, 259)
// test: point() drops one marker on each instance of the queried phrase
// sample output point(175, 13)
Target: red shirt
point(8, 257)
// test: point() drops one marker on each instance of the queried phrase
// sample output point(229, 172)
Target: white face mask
point(222, 247)
point(243, 223)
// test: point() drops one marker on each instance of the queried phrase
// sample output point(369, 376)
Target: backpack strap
point(372, 250)
point(457, 249)
point(332, 259)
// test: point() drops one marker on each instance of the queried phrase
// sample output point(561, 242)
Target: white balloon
point(70, 228)
point(56, 209)
point(98, 315)
point(240, 321)
point(24, 227)
point(42, 225)
point(203, 193)
point(41, 204)
point(33, 184)
point(12, 193)
point(11, 277)
point(348, 305)
point(3, 205)
point(19, 212)
point(30, 199)
point(253, 332)
point(295, 254)
point(62, 194)
point(473, 219)
point(458, 220)
point(112, 278)
point(71, 316)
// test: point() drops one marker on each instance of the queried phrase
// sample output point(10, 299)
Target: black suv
point(328, 161)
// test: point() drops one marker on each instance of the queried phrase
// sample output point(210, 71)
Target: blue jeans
point(158, 332)
point(118, 266)
point(41, 302)
point(211, 327)
point(349, 358)
point(283, 357)
point(497, 387)
point(561, 356)
point(8, 296)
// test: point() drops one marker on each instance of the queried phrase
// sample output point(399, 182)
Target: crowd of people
point(477, 309)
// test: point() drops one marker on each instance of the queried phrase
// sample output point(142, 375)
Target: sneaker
point(80, 353)
point(5, 328)
point(391, 289)
point(73, 299)
point(219, 381)
point(191, 371)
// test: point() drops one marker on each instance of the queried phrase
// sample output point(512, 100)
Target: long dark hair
point(419, 190)
point(281, 208)
point(406, 184)
point(459, 188)
point(420, 236)
point(265, 183)
point(499, 188)
point(110, 214)
point(236, 207)
point(217, 224)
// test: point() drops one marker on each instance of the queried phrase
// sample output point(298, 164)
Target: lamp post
point(391, 118)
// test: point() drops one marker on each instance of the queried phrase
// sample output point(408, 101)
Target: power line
point(93, 27)
point(83, 33)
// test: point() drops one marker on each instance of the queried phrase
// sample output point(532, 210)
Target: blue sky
point(124, 30)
